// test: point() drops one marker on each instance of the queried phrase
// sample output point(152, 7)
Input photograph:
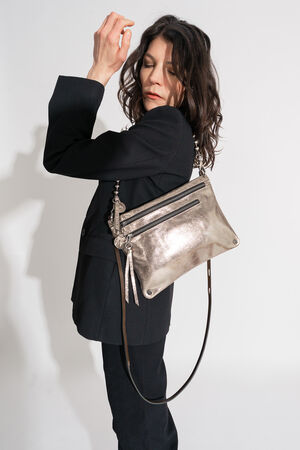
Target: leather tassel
point(126, 280)
point(136, 299)
point(129, 266)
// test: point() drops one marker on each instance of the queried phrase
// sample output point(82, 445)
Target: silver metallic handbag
point(165, 238)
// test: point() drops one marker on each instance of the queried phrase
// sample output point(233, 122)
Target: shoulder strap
point(165, 400)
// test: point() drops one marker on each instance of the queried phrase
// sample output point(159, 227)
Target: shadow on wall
point(51, 259)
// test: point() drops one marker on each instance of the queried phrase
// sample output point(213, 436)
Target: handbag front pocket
point(162, 203)
point(165, 217)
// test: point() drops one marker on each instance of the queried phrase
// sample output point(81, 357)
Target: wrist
point(98, 75)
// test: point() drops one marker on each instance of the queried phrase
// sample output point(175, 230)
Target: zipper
point(162, 203)
point(165, 217)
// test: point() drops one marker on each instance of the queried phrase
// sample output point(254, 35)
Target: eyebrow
point(152, 57)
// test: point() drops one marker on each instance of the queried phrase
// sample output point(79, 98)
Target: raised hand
point(108, 55)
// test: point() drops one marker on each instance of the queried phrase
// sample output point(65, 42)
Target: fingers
point(125, 45)
point(103, 24)
point(118, 27)
point(113, 25)
point(114, 35)
point(107, 50)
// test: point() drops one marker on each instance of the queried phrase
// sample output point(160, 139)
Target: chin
point(152, 103)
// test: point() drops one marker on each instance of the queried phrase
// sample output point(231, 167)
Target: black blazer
point(152, 157)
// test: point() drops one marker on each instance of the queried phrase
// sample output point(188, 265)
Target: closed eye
point(151, 65)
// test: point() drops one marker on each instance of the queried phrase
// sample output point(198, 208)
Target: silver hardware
point(118, 208)
point(149, 291)
point(198, 158)
point(119, 241)
point(235, 241)
point(128, 241)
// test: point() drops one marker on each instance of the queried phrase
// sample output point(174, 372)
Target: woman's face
point(157, 75)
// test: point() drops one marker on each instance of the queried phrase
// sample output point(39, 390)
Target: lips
point(152, 93)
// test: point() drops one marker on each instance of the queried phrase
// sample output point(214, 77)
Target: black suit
point(150, 158)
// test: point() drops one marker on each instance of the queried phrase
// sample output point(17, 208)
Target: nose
point(156, 75)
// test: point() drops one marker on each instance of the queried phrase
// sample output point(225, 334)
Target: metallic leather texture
point(171, 234)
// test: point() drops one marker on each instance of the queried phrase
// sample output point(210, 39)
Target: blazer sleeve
point(144, 149)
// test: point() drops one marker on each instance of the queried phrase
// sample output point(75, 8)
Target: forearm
point(72, 113)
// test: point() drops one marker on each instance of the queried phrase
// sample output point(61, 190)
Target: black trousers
point(138, 424)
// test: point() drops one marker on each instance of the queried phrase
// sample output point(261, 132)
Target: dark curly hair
point(190, 57)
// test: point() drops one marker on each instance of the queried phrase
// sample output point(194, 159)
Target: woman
point(155, 155)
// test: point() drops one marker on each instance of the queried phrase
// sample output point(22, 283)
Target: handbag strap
point(165, 400)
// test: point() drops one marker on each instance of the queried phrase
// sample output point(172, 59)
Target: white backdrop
point(245, 394)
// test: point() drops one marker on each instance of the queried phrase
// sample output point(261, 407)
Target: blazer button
point(83, 232)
